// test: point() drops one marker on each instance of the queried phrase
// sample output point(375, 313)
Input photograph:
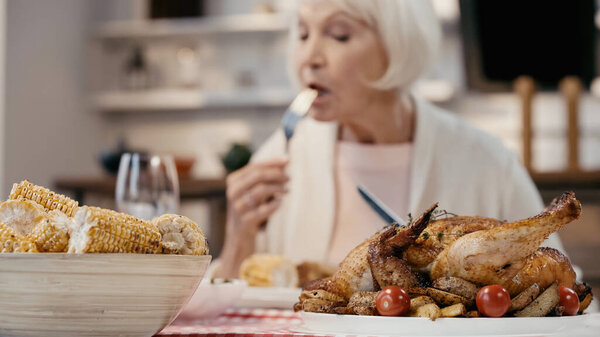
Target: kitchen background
point(82, 77)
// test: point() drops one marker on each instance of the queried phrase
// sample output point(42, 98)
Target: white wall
point(49, 130)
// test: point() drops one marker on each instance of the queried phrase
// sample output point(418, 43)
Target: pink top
point(385, 171)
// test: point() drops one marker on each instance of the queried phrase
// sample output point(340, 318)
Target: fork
point(295, 112)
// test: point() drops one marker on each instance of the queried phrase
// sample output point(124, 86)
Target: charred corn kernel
point(43, 196)
point(13, 242)
point(97, 230)
point(51, 235)
point(133, 219)
point(180, 235)
point(22, 215)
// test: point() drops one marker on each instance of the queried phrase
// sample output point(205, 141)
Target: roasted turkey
point(509, 254)
point(481, 250)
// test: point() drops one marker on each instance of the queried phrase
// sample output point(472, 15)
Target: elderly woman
point(365, 127)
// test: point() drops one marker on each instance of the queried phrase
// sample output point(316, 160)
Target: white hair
point(409, 30)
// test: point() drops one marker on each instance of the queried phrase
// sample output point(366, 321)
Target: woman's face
point(338, 55)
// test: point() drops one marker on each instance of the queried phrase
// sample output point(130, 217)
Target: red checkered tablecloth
point(241, 323)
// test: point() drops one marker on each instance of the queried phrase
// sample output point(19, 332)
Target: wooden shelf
point(194, 99)
point(189, 188)
point(149, 29)
point(585, 184)
point(567, 177)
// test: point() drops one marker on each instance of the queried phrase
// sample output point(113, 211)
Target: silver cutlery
point(295, 112)
point(380, 208)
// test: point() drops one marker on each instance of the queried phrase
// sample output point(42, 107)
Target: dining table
point(242, 322)
point(260, 322)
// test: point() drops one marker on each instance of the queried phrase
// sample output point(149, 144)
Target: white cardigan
point(464, 169)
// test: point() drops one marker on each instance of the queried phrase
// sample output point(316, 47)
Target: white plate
point(582, 325)
point(212, 299)
point(269, 297)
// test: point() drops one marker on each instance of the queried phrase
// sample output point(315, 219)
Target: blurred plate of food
point(220, 293)
point(420, 326)
point(275, 281)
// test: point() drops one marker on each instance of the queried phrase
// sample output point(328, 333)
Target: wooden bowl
point(94, 294)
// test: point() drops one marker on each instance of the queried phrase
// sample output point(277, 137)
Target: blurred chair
point(583, 240)
point(586, 183)
point(570, 88)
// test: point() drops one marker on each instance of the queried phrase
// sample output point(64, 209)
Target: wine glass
point(147, 185)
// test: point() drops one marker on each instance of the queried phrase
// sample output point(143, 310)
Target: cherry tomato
point(493, 301)
point(393, 301)
point(569, 300)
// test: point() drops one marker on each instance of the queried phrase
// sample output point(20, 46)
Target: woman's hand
point(253, 194)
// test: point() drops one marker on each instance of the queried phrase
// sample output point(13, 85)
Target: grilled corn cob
point(22, 215)
point(180, 235)
point(99, 230)
point(43, 196)
point(52, 234)
point(12, 241)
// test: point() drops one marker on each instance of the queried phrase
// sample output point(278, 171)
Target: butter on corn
point(180, 235)
point(97, 230)
point(48, 199)
point(12, 241)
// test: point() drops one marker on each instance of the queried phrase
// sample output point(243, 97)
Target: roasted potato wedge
point(419, 301)
point(363, 303)
point(417, 291)
point(364, 298)
point(524, 298)
point(319, 301)
point(456, 286)
point(343, 311)
point(445, 298)
point(543, 304)
point(322, 295)
point(585, 303)
point(473, 314)
point(557, 311)
point(584, 292)
point(430, 310)
point(318, 305)
point(582, 289)
point(365, 311)
point(297, 306)
point(455, 310)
